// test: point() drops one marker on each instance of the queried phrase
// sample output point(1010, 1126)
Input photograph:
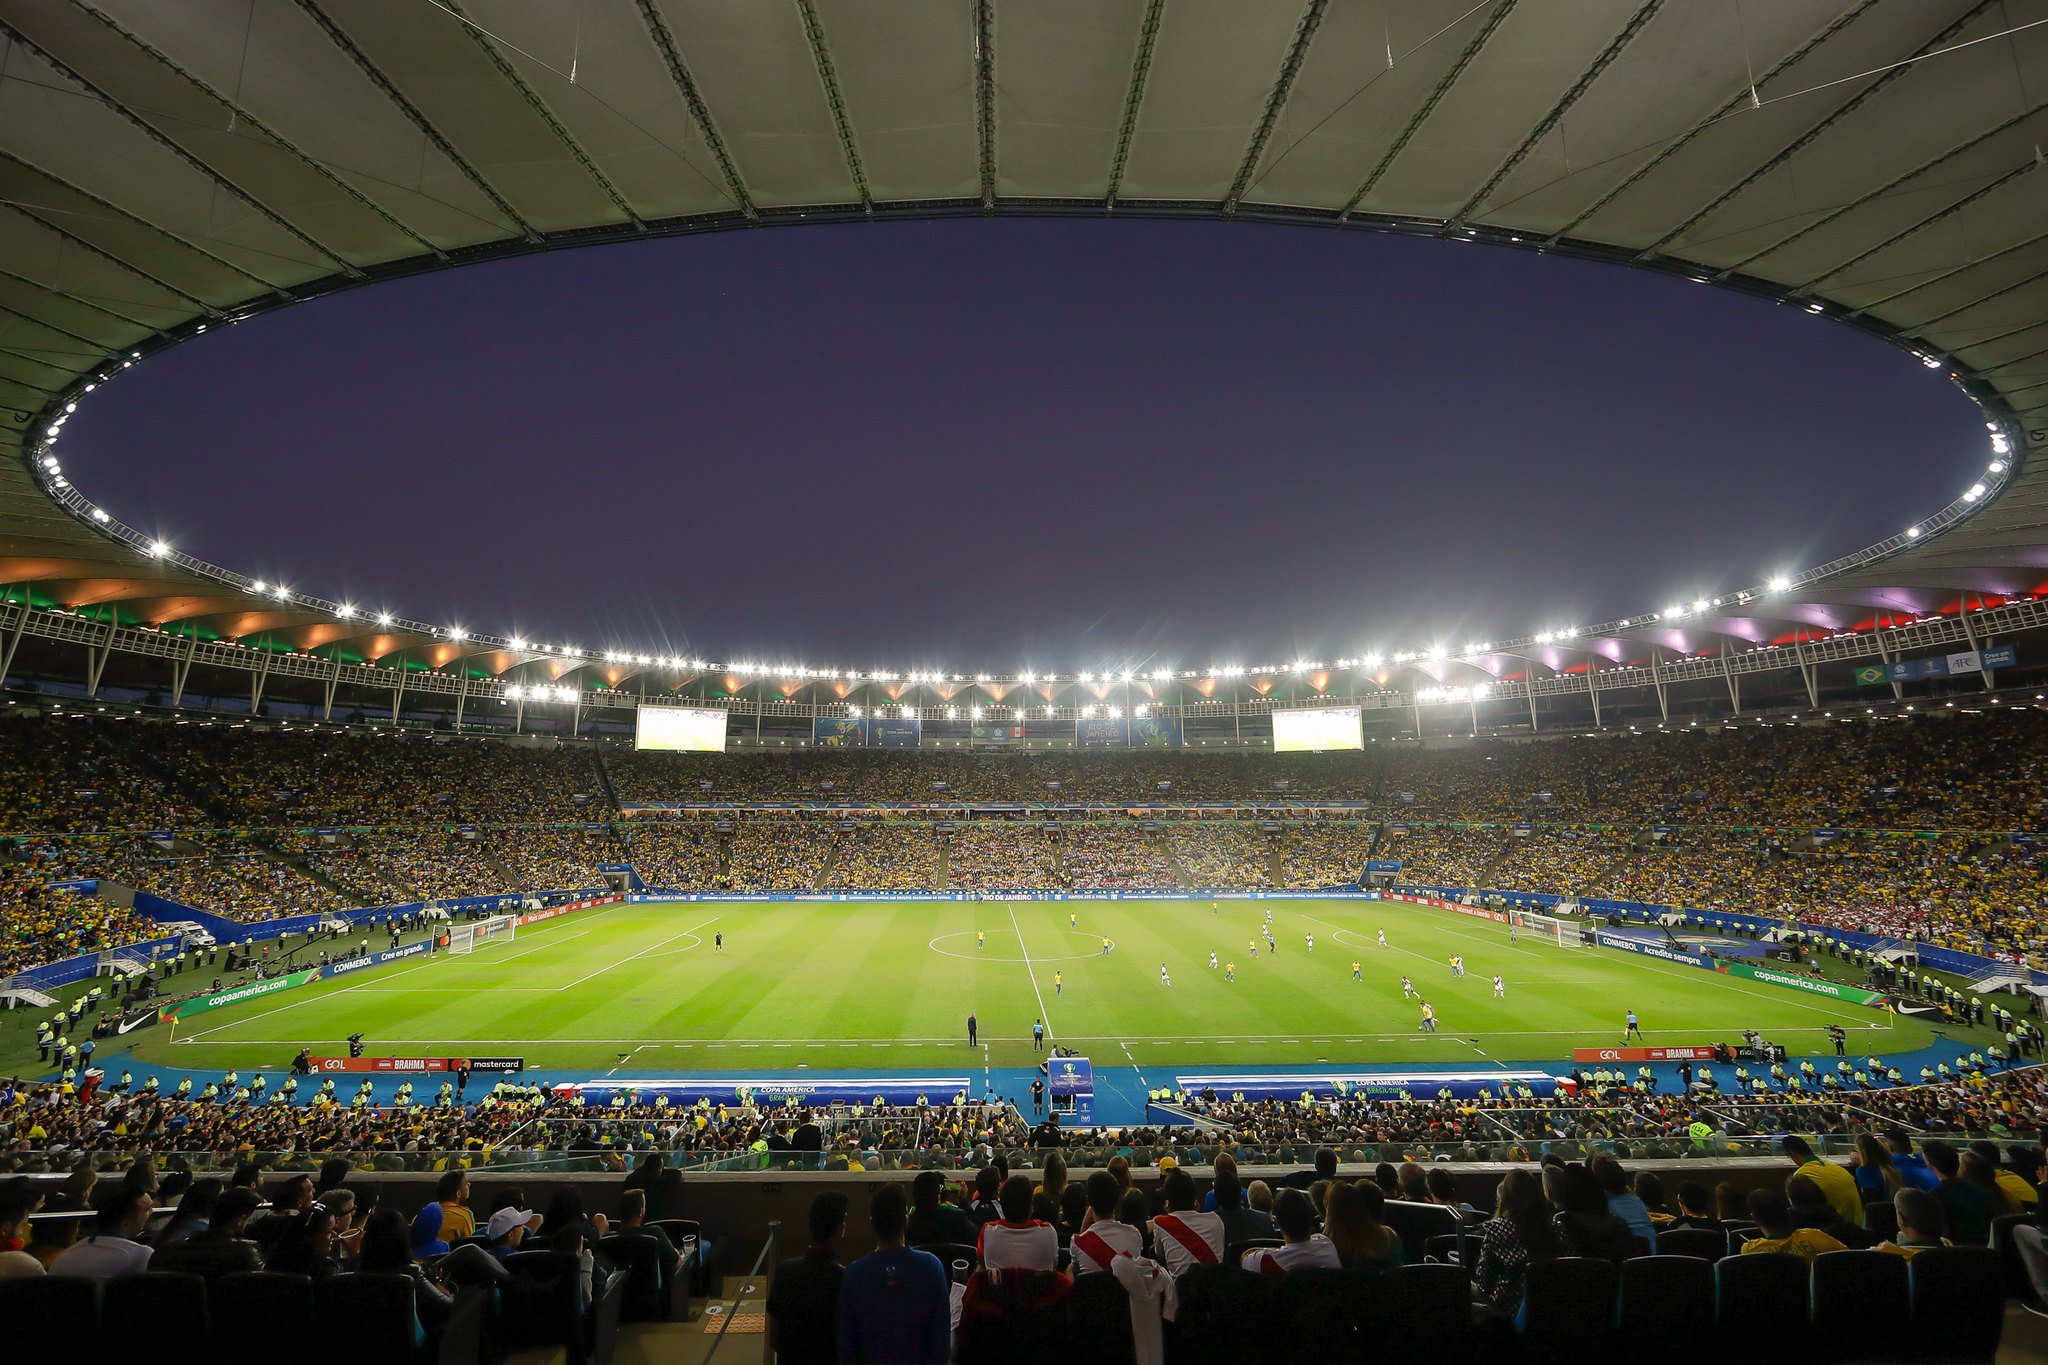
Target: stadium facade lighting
point(1998, 466)
point(259, 586)
point(345, 612)
point(457, 634)
point(383, 618)
point(1140, 710)
point(281, 592)
point(1912, 533)
point(1700, 606)
point(99, 514)
point(853, 711)
point(974, 713)
point(1780, 583)
point(1162, 674)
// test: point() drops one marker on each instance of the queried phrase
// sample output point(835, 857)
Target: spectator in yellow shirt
point(1835, 1182)
point(1773, 1217)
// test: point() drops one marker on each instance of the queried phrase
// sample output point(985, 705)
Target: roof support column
point(398, 691)
point(14, 636)
point(1884, 653)
point(97, 656)
point(1473, 699)
point(1529, 691)
point(1594, 693)
point(461, 697)
point(1734, 687)
point(519, 716)
point(1970, 633)
point(1657, 681)
point(256, 684)
point(333, 680)
point(1809, 672)
point(181, 669)
point(1415, 699)
point(576, 713)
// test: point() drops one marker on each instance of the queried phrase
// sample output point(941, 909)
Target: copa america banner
point(874, 732)
point(1938, 666)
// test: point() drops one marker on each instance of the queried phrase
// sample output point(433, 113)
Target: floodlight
point(1780, 583)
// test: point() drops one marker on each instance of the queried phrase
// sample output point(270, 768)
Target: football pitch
point(889, 985)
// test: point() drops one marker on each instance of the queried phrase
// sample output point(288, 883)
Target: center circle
point(984, 955)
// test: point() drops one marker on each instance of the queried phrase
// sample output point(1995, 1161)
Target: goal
point(1566, 933)
point(465, 938)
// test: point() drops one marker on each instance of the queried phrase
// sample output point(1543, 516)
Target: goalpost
point(464, 938)
point(1566, 933)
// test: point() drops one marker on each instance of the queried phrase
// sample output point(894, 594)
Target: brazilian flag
point(1873, 675)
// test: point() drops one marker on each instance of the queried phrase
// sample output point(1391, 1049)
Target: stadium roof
point(169, 168)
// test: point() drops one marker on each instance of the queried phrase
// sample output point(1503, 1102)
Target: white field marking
point(624, 960)
point(514, 957)
point(1019, 930)
point(983, 955)
point(294, 1004)
point(629, 1056)
point(695, 943)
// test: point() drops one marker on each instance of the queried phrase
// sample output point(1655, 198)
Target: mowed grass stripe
point(854, 984)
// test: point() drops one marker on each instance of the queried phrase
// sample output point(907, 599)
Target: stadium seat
point(2017, 1285)
point(647, 1288)
point(462, 1335)
point(364, 1317)
point(684, 1233)
point(248, 1300)
point(1225, 1317)
point(1016, 1317)
point(605, 1309)
point(1704, 1243)
point(1765, 1294)
point(539, 1306)
point(48, 1315)
point(1667, 1306)
point(1233, 1255)
point(1862, 1304)
point(1101, 1310)
point(1416, 1223)
point(1323, 1315)
point(1881, 1219)
point(959, 1258)
point(174, 1306)
point(1447, 1247)
point(1568, 1305)
point(1422, 1312)
point(1958, 1304)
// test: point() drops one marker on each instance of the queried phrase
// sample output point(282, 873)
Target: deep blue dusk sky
point(997, 444)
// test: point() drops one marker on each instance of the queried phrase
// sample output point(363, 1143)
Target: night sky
point(1004, 444)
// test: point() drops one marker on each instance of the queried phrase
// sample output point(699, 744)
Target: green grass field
point(890, 985)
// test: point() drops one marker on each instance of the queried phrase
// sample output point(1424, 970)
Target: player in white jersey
point(1383, 938)
point(1212, 961)
point(1311, 942)
point(1164, 979)
point(1407, 989)
point(1500, 990)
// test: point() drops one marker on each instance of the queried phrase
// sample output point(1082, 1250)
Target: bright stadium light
point(1975, 492)
point(1020, 713)
point(853, 711)
point(1027, 676)
point(952, 713)
point(1674, 611)
point(345, 612)
point(1087, 677)
point(1780, 583)
point(517, 644)
point(457, 634)
point(1162, 674)
point(259, 586)
point(281, 592)
point(974, 713)
point(1998, 466)
point(383, 618)
point(1140, 710)
point(1700, 606)
point(1372, 661)
point(99, 514)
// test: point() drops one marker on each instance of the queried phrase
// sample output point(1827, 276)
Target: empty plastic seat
point(541, 1305)
point(1862, 1304)
point(1416, 1223)
point(365, 1317)
point(1569, 1299)
point(173, 1304)
point(1101, 1313)
point(1225, 1317)
point(2017, 1284)
point(252, 1300)
point(1881, 1220)
point(1958, 1303)
point(48, 1315)
point(646, 1289)
point(960, 1259)
point(1016, 1318)
point(1765, 1294)
point(1323, 1315)
point(1667, 1305)
point(1422, 1312)
point(1706, 1244)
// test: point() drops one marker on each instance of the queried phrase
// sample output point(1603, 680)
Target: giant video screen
point(1325, 727)
point(680, 727)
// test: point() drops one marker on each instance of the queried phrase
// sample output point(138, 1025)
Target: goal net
point(466, 938)
point(1565, 933)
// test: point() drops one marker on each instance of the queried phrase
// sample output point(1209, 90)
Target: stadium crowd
point(1924, 825)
